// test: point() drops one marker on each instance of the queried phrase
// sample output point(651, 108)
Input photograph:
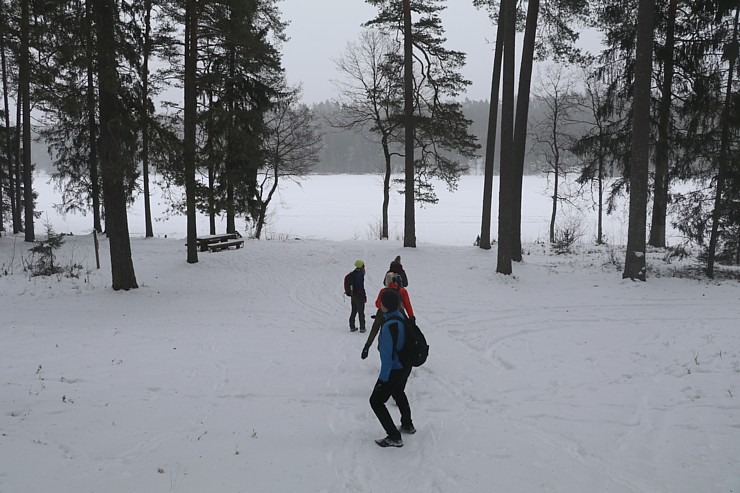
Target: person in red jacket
point(392, 281)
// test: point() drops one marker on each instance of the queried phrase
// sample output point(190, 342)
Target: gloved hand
point(364, 352)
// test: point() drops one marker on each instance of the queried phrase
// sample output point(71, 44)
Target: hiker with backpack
point(354, 287)
point(397, 268)
point(392, 281)
point(393, 374)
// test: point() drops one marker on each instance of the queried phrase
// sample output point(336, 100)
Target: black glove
point(364, 352)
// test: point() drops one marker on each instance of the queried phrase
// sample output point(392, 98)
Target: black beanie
point(390, 299)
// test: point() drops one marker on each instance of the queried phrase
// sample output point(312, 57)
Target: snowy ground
point(238, 373)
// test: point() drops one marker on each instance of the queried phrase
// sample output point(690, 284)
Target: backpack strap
point(393, 329)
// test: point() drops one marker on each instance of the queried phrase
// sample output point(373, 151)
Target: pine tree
point(242, 79)
point(635, 264)
point(436, 123)
point(116, 138)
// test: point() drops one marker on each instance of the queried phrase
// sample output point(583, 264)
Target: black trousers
point(395, 387)
point(358, 309)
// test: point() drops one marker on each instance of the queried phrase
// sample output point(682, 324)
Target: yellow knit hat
point(359, 264)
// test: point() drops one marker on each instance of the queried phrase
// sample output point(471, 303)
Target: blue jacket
point(388, 357)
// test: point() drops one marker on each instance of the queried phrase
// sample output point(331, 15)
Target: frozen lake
point(353, 202)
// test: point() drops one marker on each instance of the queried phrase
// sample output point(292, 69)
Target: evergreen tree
point(438, 123)
point(243, 74)
point(115, 146)
point(634, 264)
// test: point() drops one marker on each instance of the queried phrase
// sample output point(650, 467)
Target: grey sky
point(320, 29)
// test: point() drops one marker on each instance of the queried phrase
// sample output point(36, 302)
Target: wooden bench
point(223, 245)
point(204, 242)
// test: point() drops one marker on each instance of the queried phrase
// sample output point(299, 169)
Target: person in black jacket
point(397, 268)
point(358, 296)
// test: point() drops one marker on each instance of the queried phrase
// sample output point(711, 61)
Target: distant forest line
point(349, 152)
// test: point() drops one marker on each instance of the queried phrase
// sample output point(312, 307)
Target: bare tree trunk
point(145, 118)
point(211, 200)
point(520, 132)
point(409, 234)
point(211, 175)
point(18, 220)
point(386, 187)
point(634, 264)
point(230, 155)
point(554, 214)
point(660, 194)
point(508, 167)
point(724, 152)
point(600, 182)
point(24, 78)
point(230, 212)
point(485, 230)
point(190, 97)
point(112, 165)
point(556, 166)
point(92, 162)
point(262, 214)
point(8, 148)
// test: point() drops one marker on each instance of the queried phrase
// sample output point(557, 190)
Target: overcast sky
point(320, 29)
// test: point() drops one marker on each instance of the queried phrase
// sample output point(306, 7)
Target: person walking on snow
point(358, 296)
point(397, 268)
point(393, 376)
point(392, 281)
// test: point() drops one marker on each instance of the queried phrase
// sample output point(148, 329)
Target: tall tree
point(114, 145)
point(292, 143)
point(507, 195)
point(520, 126)
point(93, 166)
point(67, 98)
point(634, 264)
point(552, 132)
point(594, 147)
point(245, 72)
point(190, 88)
point(409, 229)
point(371, 99)
point(731, 54)
point(6, 137)
point(662, 147)
point(24, 82)
point(145, 115)
point(431, 82)
point(485, 232)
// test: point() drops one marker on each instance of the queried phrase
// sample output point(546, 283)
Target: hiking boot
point(408, 429)
point(362, 330)
point(389, 442)
point(353, 329)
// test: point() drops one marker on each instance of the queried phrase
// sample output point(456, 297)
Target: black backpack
point(415, 350)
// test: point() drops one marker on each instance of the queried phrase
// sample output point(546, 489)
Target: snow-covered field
point(238, 373)
point(348, 207)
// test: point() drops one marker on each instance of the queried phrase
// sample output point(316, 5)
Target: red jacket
point(405, 301)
